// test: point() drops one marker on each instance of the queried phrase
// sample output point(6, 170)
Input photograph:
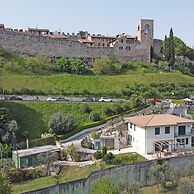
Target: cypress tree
point(166, 49)
point(172, 53)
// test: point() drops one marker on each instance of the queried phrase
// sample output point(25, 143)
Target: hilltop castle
point(83, 45)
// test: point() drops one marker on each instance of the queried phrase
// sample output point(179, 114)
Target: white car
point(104, 99)
point(51, 99)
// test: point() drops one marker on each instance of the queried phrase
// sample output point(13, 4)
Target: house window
point(128, 48)
point(157, 131)
point(187, 141)
point(103, 44)
point(131, 125)
point(134, 127)
point(120, 48)
point(121, 40)
point(182, 130)
point(167, 130)
point(98, 44)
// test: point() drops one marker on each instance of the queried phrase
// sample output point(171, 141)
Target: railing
point(184, 134)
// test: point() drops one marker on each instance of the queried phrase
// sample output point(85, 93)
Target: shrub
point(108, 158)
point(71, 65)
point(18, 175)
point(95, 116)
point(117, 109)
point(104, 151)
point(61, 124)
point(86, 109)
point(73, 151)
point(108, 111)
point(95, 134)
point(98, 154)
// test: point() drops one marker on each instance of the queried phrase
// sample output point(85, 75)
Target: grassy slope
point(34, 116)
point(95, 84)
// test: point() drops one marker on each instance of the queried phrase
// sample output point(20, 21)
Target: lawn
point(83, 85)
point(70, 174)
point(33, 117)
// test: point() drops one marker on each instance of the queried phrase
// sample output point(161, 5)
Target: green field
point(83, 85)
point(33, 117)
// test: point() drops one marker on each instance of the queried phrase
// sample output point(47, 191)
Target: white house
point(152, 133)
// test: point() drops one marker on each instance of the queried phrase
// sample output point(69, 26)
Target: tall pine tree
point(172, 53)
point(166, 49)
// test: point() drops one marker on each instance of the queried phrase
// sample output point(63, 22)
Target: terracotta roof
point(158, 120)
point(85, 41)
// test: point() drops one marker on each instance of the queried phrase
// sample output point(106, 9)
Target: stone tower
point(145, 32)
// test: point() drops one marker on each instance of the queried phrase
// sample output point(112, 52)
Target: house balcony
point(184, 134)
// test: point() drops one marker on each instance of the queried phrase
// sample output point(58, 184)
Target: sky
point(108, 17)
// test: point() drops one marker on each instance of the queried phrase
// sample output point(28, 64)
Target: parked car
point(51, 99)
point(61, 99)
point(104, 99)
point(15, 98)
point(89, 99)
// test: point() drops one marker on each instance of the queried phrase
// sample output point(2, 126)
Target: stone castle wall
point(39, 45)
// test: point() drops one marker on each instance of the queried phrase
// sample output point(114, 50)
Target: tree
point(186, 186)
point(104, 186)
point(8, 128)
point(166, 48)
point(60, 124)
point(5, 188)
point(71, 65)
point(47, 159)
point(172, 52)
point(134, 188)
point(180, 47)
point(160, 174)
point(107, 66)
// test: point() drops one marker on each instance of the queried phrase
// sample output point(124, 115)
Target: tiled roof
point(85, 40)
point(158, 120)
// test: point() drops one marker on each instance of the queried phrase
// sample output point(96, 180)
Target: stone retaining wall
point(119, 175)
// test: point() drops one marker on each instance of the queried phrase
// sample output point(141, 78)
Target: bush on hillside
point(86, 109)
point(95, 116)
point(117, 109)
point(108, 111)
point(61, 124)
point(71, 65)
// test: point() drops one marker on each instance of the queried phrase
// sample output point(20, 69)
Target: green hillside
point(83, 85)
point(33, 117)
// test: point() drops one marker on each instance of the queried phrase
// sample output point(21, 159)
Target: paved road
point(44, 98)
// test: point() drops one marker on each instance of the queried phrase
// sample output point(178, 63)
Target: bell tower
point(145, 31)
